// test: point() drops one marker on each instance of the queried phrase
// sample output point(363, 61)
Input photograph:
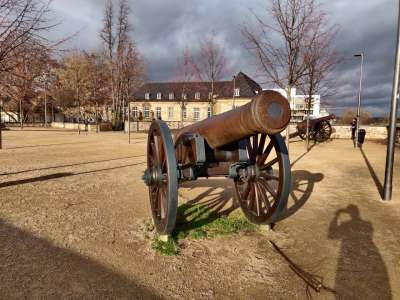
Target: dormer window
point(184, 96)
point(197, 96)
point(237, 92)
point(171, 96)
point(147, 96)
point(159, 96)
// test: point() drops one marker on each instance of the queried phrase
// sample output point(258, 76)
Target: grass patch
point(199, 221)
point(168, 248)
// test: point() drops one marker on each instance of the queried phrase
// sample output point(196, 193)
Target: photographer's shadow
point(302, 186)
point(361, 272)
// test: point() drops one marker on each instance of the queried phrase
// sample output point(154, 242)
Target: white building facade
point(298, 106)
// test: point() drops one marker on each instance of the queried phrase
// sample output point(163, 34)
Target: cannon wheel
point(264, 196)
point(302, 135)
point(162, 178)
point(323, 131)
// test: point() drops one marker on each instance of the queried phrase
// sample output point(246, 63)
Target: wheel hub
point(152, 176)
point(250, 173)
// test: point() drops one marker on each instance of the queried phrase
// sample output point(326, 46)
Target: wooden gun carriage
point(319, 129)
point(243, 144)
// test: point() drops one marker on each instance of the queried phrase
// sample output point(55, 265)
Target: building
point(172, 101)
point(298, 105)
point(190, 101)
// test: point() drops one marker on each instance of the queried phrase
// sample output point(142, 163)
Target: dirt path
point(73, 211)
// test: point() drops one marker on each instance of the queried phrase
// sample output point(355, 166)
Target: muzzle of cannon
point(269, 113)
point(243, 144)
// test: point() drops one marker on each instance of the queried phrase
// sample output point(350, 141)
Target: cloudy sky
point(162, 28)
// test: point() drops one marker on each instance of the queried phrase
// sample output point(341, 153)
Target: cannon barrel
point(268, 112)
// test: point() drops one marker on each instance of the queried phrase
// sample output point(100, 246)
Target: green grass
point(199, 221)
point(168, 248)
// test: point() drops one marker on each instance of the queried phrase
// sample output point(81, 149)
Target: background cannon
point(319, 129)
point(243, 144)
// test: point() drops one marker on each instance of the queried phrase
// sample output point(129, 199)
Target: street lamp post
point(45, 108)
point(387, 186)
point(359, 96)
point(234, 92)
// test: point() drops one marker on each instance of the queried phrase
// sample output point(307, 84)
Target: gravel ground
point(73, 213)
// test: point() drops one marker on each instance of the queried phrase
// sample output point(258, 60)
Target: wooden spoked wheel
point(303, 135)
point(263, 195)
point(161, 177)
point(323, 131)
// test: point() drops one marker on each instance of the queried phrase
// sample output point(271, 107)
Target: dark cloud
point(163, 28)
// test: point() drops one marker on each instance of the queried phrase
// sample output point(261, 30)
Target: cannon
point(319, 129)
point(243, 144)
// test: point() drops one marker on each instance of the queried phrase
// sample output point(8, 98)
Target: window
point(197, 96)
point(158, 96)
point(196, 113)
point(209, 112)
point(237, 92)
point(170, 113)
point(158, 112)
point(146, 112)
point(134, 112)
point(171, 96)
point(184, 96)
point(147, 96)
point(184, 113)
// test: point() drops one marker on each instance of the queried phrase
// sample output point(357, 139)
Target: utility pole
point(21, 114)
point(129, 123)
point(45, 108)
point(359, 95)
point(97, 117)
point(387, 186)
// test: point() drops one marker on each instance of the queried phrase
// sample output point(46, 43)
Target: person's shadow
point(361, 272)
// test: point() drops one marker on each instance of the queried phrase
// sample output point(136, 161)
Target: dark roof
point(223, 89)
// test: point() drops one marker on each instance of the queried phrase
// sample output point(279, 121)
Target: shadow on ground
point(361, 272)
point(61, 175)
point(302, 155)
point(371, 170)
point(71, 165)
point(32, 267)
point(302, 186)
point(218, 199)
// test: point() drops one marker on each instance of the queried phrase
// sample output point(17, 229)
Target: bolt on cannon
point(243, 144)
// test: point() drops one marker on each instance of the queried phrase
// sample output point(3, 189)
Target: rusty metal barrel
point(268, 112)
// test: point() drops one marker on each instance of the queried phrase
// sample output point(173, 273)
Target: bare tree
point(185, 74)
point(21, 87)
point(210, 65)
point(108, 38)
point(277, 41)
point(121, 54)
point(21, 21)
point(350, 113)
point(319, 59)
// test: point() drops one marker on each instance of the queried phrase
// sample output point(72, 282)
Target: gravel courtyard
point(74, 214)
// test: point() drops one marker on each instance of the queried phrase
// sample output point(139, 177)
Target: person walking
point(353, 130)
